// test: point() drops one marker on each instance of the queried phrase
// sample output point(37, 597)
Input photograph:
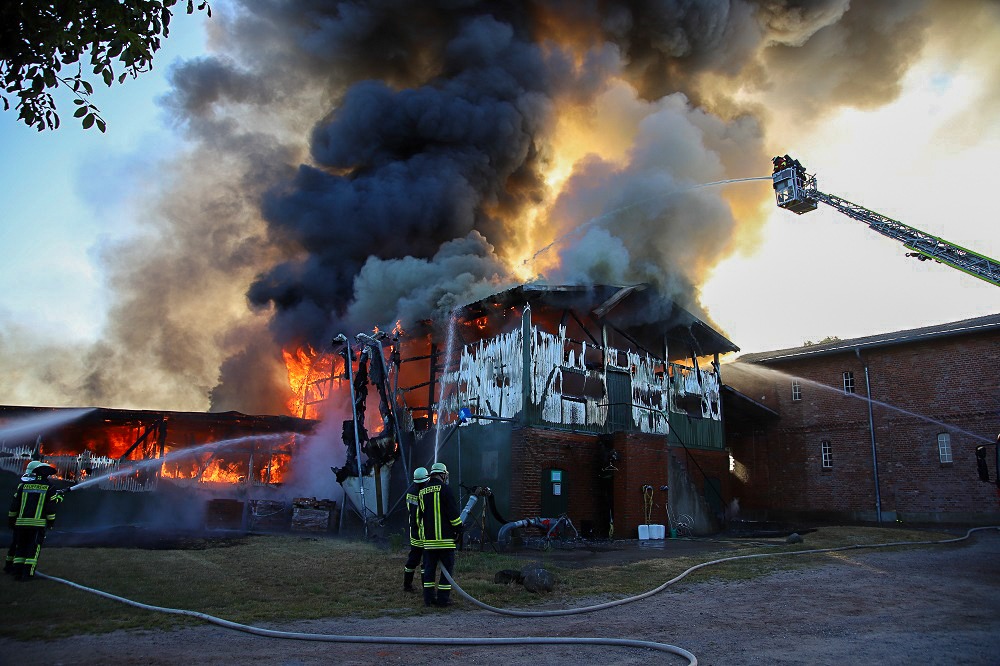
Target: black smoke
point(347, 164)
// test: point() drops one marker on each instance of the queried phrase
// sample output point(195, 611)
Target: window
point(796, 390)
point(848, 382)
point(944, 447)
point(827, 453)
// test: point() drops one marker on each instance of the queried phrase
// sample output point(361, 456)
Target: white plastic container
point(657, 531)
point(643, 532)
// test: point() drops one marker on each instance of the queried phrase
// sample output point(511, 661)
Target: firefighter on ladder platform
point(32, 511)
point(420, 477)
point(440, 530)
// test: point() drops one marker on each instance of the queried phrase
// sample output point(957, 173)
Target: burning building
point(176, 470)
point(561, 400)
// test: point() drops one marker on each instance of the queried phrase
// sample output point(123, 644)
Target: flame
point(219, 471)
point(275, 471)
point(308, 371)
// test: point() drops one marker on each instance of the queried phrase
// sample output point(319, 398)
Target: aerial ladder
point(795, 190)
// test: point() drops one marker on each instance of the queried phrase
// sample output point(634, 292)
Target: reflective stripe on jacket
point(412, 504)
point(438, 516)
point(34, 504)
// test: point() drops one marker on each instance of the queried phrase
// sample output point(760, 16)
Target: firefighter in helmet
point(420, 477)
point(32, 511)
point(440, 530)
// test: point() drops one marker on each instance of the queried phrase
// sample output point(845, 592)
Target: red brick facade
point(642, 460)
point(920, 389)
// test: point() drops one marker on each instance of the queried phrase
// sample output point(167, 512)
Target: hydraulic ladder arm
point(795, 190)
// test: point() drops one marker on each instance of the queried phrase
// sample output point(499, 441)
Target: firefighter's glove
point(60, 494)
point(459, 536)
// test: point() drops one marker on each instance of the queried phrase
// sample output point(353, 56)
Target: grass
point(274, 579)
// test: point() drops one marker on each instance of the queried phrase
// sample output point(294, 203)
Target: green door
point(619, 401)
point(553, 492)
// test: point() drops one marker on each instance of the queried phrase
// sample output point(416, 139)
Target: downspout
point(871, 429)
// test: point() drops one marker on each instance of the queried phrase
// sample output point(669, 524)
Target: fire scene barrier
point(611, 604)
point(390, 640)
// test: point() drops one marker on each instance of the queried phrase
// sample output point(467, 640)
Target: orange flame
point(223, 472)
point(309, 373)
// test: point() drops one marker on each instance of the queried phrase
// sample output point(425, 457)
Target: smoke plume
point(351, 164)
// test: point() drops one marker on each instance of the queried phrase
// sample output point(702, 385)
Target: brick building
point(600, 402)
point(806, 442)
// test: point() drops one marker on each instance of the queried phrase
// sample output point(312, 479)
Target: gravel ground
point(929, 605)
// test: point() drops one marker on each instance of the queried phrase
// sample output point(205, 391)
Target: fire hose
point(524, 640)
point(611, 604)
point(389, 640)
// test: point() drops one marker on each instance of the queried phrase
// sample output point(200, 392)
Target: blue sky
point(67, 192)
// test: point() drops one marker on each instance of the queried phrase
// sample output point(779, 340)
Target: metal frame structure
point(795, 190)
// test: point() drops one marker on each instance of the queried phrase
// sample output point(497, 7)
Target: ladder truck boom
point(795, 190)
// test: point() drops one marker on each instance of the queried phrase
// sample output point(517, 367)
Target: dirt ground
point(930, 605)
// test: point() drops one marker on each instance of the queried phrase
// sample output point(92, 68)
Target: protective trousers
point(437, 594)
point(410, 568)
point(27, 545)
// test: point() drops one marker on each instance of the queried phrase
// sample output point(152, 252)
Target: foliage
point(39, 39)
point(829, 338)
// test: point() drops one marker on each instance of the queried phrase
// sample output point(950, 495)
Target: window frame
point(945, 451)
point(826, 453)
point(796, 390)
point(849, 386)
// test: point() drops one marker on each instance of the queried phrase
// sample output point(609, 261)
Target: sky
point(925, 155)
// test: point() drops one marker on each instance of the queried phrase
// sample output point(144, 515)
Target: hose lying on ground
point(524, 640)
point(390, 640)
point(619, 602)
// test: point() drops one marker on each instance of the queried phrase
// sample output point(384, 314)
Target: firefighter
point(440, 530)
point(32, 511)
point(8, 564)
point(420, 477)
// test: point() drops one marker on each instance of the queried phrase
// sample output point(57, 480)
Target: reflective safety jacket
point(437, 516)
point(412, 504)
point(34, 504)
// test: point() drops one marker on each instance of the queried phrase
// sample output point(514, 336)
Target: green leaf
point(82, 111)
point(108, 77)
point(88, 121)
point(101, 126)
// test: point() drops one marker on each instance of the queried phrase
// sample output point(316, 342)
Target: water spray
point(183, 453)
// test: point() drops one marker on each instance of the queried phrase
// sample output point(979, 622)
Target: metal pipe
point(357, 442)
point(468, 507)
point(871, 429)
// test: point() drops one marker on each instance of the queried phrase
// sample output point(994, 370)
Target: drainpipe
point(871, 429)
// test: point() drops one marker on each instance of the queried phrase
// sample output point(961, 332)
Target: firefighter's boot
point(443, 598)
point(430, 594)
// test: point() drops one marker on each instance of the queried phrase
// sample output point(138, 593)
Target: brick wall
point(918, 389)
point(642, 460)
point(579, 454)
